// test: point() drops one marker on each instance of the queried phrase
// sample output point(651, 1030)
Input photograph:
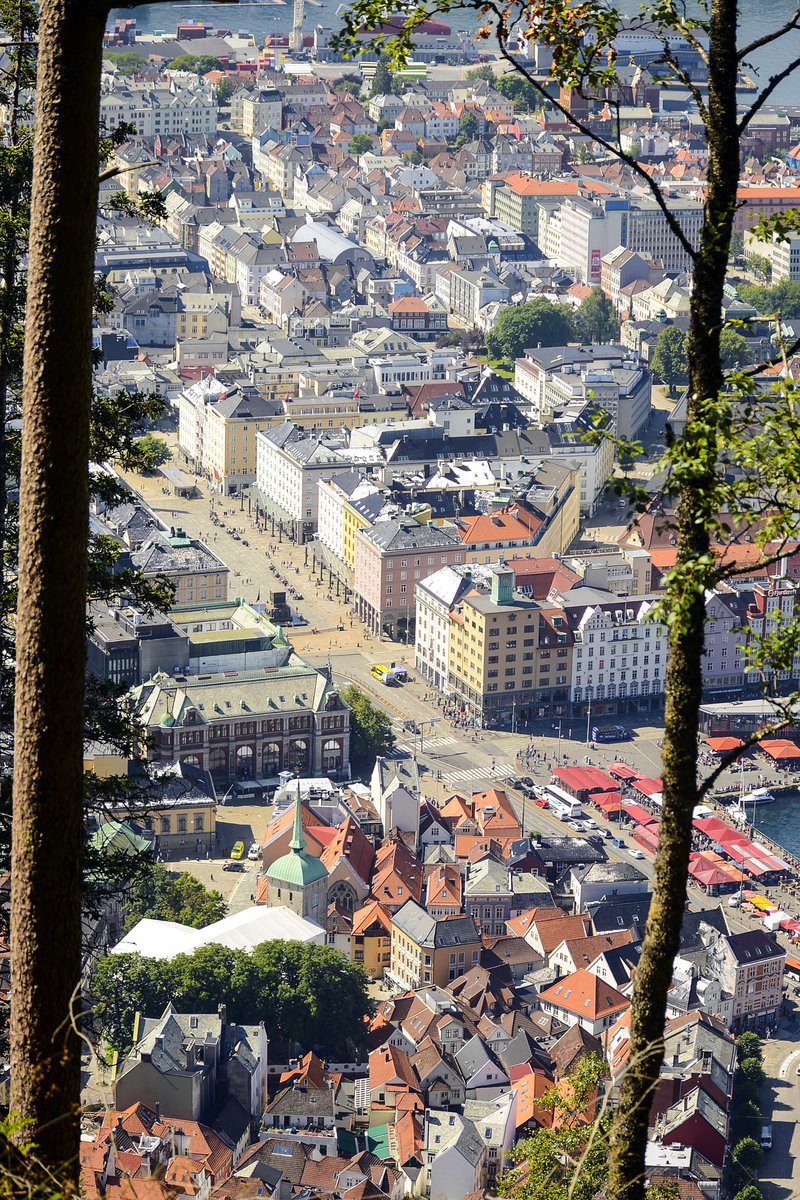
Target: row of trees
point(539, 322)
point(163, 895)
point(308, 995)
point(670, 365)
point(371, 734)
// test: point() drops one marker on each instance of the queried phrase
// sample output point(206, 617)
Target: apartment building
point(333, 495)
point(649, 231)
point(435, 598)
point(431, 950)
point(750, 967)
point(194, 569)
point(619, 654)
point(553, 379)
point(391, 557)
point(509, 656)
point(289, 467)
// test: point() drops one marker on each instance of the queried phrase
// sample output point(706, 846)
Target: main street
point(451, 758)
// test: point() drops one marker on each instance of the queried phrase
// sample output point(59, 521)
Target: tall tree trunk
point(683, 685)
point(51, 633)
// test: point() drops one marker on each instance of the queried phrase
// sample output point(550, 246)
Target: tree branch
point(792, 23)
point(518, 67)
point(766, 93)
point(732, 755)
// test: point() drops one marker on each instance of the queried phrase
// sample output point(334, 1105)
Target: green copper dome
point(298, 868)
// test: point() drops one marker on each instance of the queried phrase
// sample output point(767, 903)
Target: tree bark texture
point(683, 685)
point(51, 632)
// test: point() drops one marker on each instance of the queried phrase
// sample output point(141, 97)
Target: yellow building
point(353, 521)
point(509, 657)
point(371, 939)
point(427, 949)
point(229, 446)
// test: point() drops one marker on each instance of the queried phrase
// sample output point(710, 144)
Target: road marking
point(784, 1069)
point(430, 744)
point(501, 770)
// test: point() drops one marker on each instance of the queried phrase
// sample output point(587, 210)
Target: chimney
point(222, 1011)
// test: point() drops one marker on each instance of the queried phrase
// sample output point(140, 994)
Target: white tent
point(240, 931)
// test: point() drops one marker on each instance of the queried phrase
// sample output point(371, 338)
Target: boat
point(757, 796)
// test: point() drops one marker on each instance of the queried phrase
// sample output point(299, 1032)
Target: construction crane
point(296, 40)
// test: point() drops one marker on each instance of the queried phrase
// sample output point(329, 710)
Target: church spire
point(298, 842)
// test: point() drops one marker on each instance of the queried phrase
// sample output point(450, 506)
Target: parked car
point(634, 853)
point(238, 851)
point(230, 865)
point(254, 852)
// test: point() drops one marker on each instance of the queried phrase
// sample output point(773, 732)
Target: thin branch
point(733, 755)
point(765, 94)
point(792, 23)
point(518, 67)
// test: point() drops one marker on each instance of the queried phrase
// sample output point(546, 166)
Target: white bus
point(562, 804)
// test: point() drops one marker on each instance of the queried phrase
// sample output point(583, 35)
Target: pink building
point(390, 559)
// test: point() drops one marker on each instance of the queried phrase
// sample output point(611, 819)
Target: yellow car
point(379, 672)
point(238, 850)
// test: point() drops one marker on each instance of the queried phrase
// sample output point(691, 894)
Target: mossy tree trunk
point(51, 630)
point(684, 677)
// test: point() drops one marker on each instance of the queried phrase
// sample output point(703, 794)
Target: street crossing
point(500, 771)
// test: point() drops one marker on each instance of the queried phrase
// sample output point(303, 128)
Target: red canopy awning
point(780, 748)
point(720, 744)
point(623, 771)
point(638, 814)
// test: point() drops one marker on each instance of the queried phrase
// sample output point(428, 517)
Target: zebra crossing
point(430, 744)
point(500, 771)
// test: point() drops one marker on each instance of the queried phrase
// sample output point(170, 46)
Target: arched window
point(272, 759)
point(298, 755)
point(218, 765)
point(245, 762)
point(331, 756)
point(191, 760)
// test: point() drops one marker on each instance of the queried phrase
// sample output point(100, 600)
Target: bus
point(609, 733)
point(562, 804)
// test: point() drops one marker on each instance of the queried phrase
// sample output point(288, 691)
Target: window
point(199, 822)
point(181, 824)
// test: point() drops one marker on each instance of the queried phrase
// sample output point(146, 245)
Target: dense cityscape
point(369, 868)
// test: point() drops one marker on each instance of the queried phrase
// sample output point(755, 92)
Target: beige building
point(431, 950)
point(509, 657)
point(194, 569)
point(232, 423)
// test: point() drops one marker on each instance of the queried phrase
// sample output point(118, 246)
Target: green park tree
point(748, 1045)
point(371, 733)
point(668, 362)
point(360, 143)
point(467, 127)
point(153, 450)
point(198, 64)
point(223, 91)
point(746, 1158)
point(752, 1070)
point(382, 80)
point(734, 350)
point(413, 158)
point(127, 62)
point(482, 72)
point(164, 896)
point(535, 323)
point(307, 994)
point(595, 320)
point(750, 1192)
point(735, 450)
point(783, 298)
